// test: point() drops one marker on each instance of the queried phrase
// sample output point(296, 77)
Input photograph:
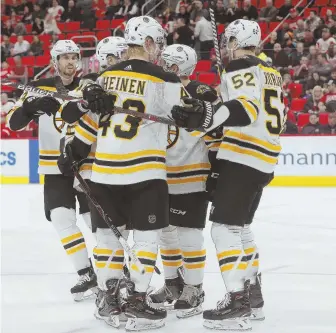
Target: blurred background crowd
point(303, 47)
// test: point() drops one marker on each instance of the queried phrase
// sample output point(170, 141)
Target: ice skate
point(86, 286)
point(126, 288)
point(107, 303)
point(190, 302)
point(141, 316)
point(231, 314)
point(256, 300)
point(168, 294)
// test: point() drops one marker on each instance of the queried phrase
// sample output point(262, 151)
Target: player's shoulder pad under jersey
point(145, 69)
point(201, 91)
point(244, 63)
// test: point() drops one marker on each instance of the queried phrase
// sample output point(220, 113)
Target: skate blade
point(234, 324)
point(181, 314)
point(257, 314)
point(142, 324)
point(89, 294)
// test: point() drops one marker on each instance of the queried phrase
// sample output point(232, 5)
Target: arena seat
point(298, 104)
point(303, 119)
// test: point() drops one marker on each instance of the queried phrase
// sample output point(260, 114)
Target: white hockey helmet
point(141, 27)
point(110, 46)
point(243, 33)
point(181, 55)
point(64, 47)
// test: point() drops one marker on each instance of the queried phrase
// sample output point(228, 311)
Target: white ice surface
point(295, 230)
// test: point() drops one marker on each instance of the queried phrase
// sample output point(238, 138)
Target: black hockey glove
point(66, 161)
point(37, 106)
point(193, 114)
point(99, 101)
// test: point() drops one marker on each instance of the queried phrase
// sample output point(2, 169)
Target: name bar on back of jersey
point(124, 84)
point(272, 79)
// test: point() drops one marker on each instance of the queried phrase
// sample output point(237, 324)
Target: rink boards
point(304, 161)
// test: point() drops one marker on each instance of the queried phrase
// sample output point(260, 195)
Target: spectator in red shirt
point(293, 18)
point(331, 94)
point(5, 71)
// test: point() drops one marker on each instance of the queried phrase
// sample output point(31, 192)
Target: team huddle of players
point(158, 180)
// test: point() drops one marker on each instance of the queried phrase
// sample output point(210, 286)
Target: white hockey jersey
point(130, 150)
point(254, 83)
point(188, 163)
point(49, 129)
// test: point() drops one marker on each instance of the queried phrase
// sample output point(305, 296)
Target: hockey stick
point(116, 109)
point(215, 39)
point(107, 219)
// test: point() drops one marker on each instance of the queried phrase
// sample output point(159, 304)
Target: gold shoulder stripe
point(48, 88)
point(133, 75)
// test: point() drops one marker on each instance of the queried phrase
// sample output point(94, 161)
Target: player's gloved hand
point(66, 162)
point(193, 114)
point(37, 106)
point(99, 101)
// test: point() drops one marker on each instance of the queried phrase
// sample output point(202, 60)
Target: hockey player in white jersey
point(129, 172)
point(109, 51)
point(253, 114)
point(59, 195)
point(182, 242)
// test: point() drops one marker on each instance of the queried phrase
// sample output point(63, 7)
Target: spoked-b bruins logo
point(172, 137)
point(59, 124)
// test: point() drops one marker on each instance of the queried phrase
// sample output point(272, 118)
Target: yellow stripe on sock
point(76, 249)
point(177, 251)
point(148, 269)
point(229, 253)
point(195, 266)
point(194, 253)
point(145, 254)
point(111, 265)
point(255, 263)
point(229, 267)
point(102, 251)
point(71, 238)
point(249, 250)
point(172, 263)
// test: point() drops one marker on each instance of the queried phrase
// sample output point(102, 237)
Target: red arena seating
point(303, 119)
point(203, 66)
point(298, 104)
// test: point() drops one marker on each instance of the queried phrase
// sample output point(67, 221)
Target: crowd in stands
point(302, 48)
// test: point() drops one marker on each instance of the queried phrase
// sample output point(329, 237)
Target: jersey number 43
point(129, 129)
